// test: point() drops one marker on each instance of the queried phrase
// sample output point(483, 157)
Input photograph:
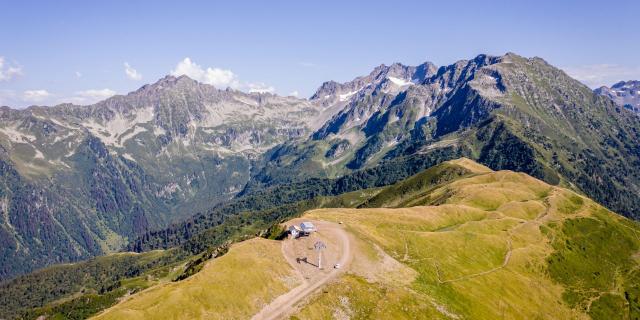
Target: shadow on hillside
point(305, 260)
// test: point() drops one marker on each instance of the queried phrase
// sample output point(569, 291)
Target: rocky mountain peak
point(397, 74)
point(170, 82)
point(626, 84)
point(424, 71)
point(624, 93)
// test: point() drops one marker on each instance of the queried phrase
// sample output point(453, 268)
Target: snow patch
point(400, 82)
point(128, 157)
point(346, 96)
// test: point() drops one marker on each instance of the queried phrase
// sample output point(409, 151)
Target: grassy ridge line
point(214, 292)
point(400, 194)
point(499, 245)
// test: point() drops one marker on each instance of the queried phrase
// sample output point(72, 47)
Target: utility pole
point(319, 246)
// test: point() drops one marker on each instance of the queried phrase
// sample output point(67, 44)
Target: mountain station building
point(304, 229)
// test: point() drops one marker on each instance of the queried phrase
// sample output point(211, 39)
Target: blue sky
point(76, 51)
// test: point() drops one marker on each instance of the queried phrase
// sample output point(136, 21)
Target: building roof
point(307, 225)
point(295, 227)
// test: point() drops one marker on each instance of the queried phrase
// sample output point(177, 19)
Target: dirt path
point(507, 256)
point(300, 254)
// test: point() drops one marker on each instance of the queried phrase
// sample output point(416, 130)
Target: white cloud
point(78, 74)
point(260, 88)
point(294, 93)
point(219, 78)
point(90, 96)
point(131, 72)
point(596, 75)
point(35, 95)
point(8, 72)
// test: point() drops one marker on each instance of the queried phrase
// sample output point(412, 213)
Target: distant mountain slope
point(507, 112)
point(284, 200)
point(624, 93)
point(78, 181)
point(455, 241)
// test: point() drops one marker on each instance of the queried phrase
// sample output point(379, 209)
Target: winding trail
point(286, 303)
point(507, 256)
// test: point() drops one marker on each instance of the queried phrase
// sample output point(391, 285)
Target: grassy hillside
point(405, 192)
point(454, 241)
point(74, 295)
point(498, 245)
point(235, 286)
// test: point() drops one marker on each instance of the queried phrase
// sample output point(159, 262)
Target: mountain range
point(81, 181)
point(623, 93)
point(507, 112)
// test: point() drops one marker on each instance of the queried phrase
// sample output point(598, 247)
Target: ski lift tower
point(319, 246)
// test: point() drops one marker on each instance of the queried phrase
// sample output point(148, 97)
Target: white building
point(295, 231)
point(307, 227)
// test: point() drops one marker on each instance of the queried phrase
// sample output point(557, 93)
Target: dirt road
point(300, 254)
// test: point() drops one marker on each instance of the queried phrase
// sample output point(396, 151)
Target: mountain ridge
point(623, 93)
point(133, 164)
point(520, 96)
point(114, 169)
